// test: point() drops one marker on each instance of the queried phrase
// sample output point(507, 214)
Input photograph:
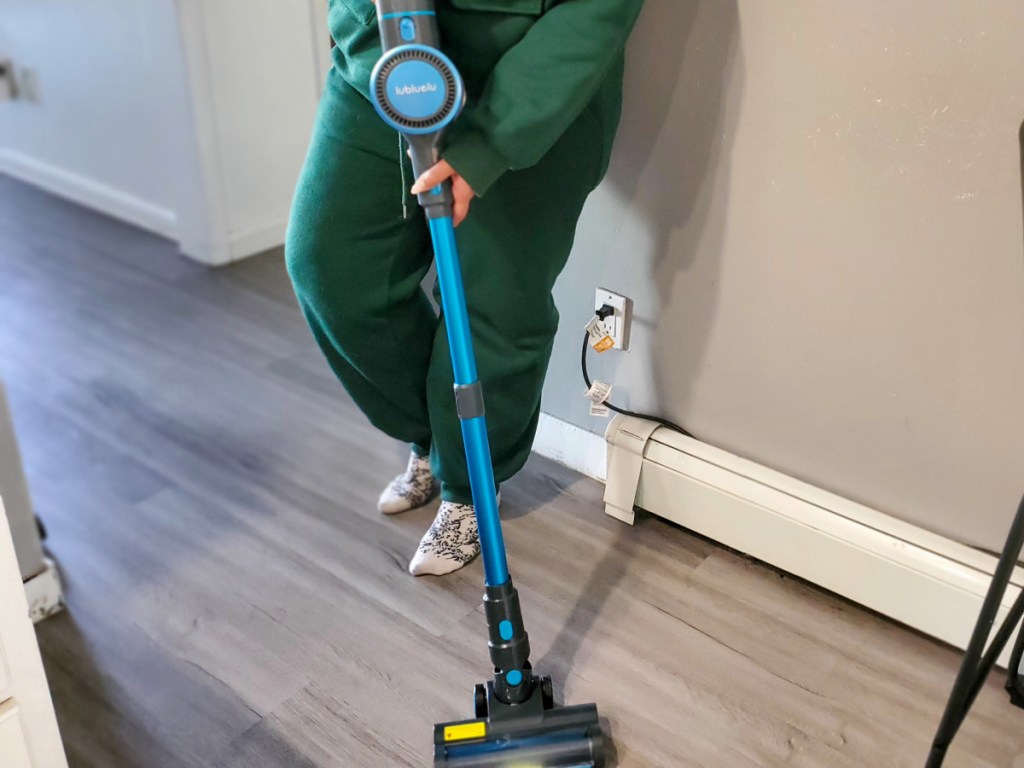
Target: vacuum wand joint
point(509, 644)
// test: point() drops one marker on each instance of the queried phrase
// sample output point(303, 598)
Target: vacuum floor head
point(533, 734)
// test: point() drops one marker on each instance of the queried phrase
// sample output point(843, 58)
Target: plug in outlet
point(616, 324)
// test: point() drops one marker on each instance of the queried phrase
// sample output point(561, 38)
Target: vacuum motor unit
point(417, 90)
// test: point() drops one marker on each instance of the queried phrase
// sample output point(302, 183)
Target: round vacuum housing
point(416, 89)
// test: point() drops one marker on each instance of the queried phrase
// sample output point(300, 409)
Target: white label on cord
point(598, 392)
point(599, 409)
point(595, 328)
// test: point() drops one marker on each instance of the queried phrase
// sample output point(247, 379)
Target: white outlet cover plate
point(618, 323)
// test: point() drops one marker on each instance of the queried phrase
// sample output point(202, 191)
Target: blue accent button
point(407, 28)
point(437, 191)
point(416, 89)
point(514, 678)
point(505, 630)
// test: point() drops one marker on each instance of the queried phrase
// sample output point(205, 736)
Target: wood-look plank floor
point(235, 601)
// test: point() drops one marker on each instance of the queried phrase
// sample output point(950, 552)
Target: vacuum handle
point(425, 152)
point(414, 23)
point(404, 22)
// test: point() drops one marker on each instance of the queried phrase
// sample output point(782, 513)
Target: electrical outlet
point(616, 324)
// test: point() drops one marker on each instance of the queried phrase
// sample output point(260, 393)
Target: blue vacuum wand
point(417, 90)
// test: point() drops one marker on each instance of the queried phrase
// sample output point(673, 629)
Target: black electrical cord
point(602, 313)
point(1015, 673)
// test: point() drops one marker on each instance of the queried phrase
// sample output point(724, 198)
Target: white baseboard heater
point(911, 575)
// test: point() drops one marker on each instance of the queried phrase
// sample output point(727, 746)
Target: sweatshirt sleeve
point(539, 87)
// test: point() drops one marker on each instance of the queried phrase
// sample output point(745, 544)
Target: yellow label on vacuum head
point(465, 731)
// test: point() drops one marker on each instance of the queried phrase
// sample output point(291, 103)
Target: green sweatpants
point(357, 264)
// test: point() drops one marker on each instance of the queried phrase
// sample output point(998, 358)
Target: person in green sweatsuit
point(544, 82)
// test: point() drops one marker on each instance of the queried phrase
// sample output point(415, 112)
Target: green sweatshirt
point(532, 67)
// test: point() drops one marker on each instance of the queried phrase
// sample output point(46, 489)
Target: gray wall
point(816, 207)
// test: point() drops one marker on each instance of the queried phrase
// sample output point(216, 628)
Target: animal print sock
point(451, 542)
point(414, 488)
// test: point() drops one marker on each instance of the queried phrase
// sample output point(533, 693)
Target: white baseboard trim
point(90, 193)
point(572, 446)
point(237, 246)
point(45, 593)
point(916, 577)
point(258, 239)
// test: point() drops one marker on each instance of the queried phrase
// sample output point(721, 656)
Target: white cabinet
point(13, 745)
point(6, 684)
point(28, 728)
point(14, 489)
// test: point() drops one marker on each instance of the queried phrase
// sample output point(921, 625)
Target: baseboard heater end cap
point(627, 438)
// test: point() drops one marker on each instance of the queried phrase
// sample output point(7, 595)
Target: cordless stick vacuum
point(418, 91)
